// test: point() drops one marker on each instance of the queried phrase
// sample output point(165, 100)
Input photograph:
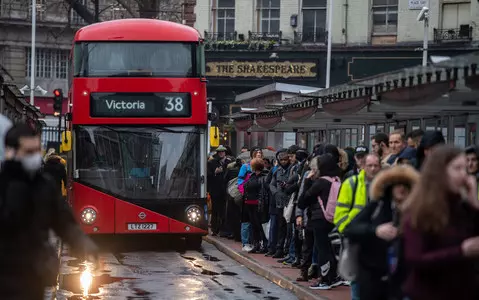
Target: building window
point(75, 17)
point(41, 9)
point(225, 19)
point(270, 16)
point(385, 16)
point(314, 21)
point(50, 63)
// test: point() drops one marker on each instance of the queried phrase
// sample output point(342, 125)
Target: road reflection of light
point(86, 278)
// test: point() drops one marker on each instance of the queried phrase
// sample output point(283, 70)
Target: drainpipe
point(210, 25)
point(345, 29)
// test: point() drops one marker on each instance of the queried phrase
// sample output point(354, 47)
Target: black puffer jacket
point(319, 187)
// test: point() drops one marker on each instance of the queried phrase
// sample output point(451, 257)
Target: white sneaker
point(247, 248)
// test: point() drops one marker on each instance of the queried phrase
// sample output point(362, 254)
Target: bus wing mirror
point(66, 141)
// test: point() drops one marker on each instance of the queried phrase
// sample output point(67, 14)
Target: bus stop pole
point(208, 145)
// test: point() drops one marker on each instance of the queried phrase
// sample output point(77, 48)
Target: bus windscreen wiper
point(135, 73)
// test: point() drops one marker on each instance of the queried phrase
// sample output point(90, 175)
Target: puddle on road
point(271, 298)
point(140, 292)
point(228, 290)
point(252, 287)
point(208, 272)
point(227, 273)
point(188, 258)
point(257, 291)
point(210, 258)
point(71, 283)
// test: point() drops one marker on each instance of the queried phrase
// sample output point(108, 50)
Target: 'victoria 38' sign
point(138, 105)
point(260, 69)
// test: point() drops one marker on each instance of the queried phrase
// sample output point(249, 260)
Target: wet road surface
point(167, 274)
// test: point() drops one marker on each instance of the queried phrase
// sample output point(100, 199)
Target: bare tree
point(170, 10)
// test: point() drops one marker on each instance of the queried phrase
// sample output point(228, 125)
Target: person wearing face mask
point(30, 207)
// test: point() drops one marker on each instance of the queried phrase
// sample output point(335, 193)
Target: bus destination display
point(140, 105)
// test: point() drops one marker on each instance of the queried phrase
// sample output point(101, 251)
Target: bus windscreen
point(135, 59)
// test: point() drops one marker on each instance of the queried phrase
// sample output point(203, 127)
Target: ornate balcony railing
point(265, 36)
point(318, 36)
point(221, 36)
point(463, 33)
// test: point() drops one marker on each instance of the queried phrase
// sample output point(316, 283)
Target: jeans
point(245, 233)
point(292, 244)
point(354, 290)
point(314, 259)
point(273, 233)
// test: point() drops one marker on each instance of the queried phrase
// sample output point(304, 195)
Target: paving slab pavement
point(283, 275)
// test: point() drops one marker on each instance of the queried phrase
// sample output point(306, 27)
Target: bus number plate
point(141, 226)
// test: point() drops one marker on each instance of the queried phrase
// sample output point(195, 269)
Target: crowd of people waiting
point(406, 214)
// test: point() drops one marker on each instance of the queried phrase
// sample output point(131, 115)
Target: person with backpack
point(252, 192)
point(375, 230)
point(322, 188)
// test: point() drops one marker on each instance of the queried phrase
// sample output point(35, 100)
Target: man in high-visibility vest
point(353, 197)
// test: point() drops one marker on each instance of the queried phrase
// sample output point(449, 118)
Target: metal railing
point(265, 36)
point(221, 36)
point(318, 36)
point(464, 33)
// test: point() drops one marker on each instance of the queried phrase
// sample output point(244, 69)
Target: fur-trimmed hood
point(397, 174)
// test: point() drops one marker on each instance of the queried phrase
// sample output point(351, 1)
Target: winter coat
point(319, 187)
point(252, 188)
point(373, 251)
point(278, 193)
point(437, 267)
point(30, 207)
point(54, 167)
point(216, 182)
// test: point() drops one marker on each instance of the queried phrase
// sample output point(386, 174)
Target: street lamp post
point(32, 52)
point(330, 34)
point(425, 40)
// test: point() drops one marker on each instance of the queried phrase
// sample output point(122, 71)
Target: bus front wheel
point(194, 242)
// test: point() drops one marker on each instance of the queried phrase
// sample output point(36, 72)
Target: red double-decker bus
point(139, 129)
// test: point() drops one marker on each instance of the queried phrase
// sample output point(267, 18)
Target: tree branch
point(82, 11)
point(127, 7)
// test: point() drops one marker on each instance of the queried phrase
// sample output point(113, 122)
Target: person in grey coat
point(281, 198)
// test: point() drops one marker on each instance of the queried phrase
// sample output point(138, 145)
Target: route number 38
point(174, 104)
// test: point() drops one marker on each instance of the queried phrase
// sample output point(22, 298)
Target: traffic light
point(57, 101)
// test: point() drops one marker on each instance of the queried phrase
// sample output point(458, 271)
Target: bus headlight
point(88, 216)
point(193, 213)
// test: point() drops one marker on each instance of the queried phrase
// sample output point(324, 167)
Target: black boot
point(278, 254)
point(296, 263)
point(303, 276)
point(255, 249)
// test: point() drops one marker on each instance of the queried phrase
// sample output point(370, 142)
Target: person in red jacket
point(441, 230)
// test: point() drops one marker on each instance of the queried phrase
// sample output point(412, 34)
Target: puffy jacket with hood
point(327, 166)
point(373, 253)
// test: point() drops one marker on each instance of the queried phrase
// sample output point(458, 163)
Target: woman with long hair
point(440, 230)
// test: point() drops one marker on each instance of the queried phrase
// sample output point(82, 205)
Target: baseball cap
point(221, 148)
point(361, 150)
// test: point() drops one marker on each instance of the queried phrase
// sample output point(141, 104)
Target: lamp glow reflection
point(86, 279)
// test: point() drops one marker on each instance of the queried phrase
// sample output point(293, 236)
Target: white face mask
point(32, 163)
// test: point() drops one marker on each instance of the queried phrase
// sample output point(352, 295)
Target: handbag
point(348, 261)
point(288, 210)
point(234, 192)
